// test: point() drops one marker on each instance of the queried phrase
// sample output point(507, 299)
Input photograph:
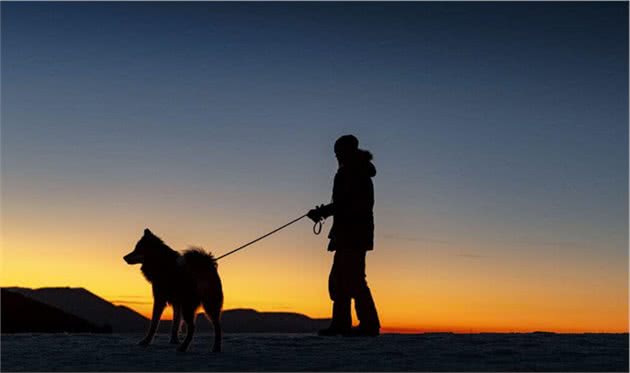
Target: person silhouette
point(351, 237)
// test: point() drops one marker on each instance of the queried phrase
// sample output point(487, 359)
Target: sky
point(499, 132)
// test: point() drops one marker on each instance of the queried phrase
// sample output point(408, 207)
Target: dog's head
point(143, 248)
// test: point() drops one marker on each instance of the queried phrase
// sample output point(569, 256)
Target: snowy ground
point(300, 352)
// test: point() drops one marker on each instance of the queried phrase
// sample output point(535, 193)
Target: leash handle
point(266, 235)
point(317, 227)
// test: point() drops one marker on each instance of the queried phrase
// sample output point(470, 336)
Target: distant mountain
point(24, 315)
point(86, 305)
point(252, 321)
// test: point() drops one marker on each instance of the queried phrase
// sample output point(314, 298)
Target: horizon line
point(384, 329)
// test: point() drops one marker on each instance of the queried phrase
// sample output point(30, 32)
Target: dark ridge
point(252, 321)
point(88, 306)
point(24, 315)
point(543, 333)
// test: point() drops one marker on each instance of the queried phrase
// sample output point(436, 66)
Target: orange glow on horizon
point(434, 293)
point(410, 329)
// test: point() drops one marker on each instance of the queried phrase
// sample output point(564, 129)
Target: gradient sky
point(500, 135)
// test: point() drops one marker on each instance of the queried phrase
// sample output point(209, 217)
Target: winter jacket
point(351, 207)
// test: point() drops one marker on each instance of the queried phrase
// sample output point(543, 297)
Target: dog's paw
point(143, 343)
point(174, 341)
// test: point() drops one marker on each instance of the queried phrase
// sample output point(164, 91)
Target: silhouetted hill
point(252, 321)
point(88, 306)
point(21, 314)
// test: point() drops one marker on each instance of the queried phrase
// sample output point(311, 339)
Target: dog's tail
point(199, 261)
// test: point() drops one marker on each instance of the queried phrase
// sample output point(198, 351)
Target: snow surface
point(305, 352)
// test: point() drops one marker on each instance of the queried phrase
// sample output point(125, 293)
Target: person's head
point(346, 148)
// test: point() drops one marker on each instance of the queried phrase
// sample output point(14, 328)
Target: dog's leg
point(189, 318)
point(177, 318)
point(214, 313)
point(158, 308)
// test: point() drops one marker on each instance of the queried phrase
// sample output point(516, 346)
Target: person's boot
point(369, 324)
point(341, 319)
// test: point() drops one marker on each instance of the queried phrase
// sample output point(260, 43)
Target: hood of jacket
point(362, 165)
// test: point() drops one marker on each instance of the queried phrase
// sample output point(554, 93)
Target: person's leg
point(342, 314)
point(338, 290)
point(369, 323)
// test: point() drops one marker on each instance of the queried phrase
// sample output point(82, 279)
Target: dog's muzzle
point(133, 258)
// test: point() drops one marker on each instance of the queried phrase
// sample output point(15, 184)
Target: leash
point(317, 229)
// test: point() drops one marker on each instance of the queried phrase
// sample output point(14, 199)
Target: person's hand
point(316, 214)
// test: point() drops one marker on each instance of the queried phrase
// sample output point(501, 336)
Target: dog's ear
point(147, 232)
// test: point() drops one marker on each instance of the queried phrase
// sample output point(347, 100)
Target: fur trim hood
point(362, 164)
